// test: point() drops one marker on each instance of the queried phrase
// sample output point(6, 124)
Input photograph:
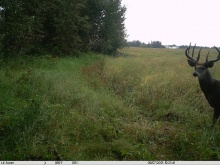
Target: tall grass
point(144, 105)
point(174, 117)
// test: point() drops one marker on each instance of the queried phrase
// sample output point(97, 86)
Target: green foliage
point(20, 26)
point(108, 32)
point(61, 27)
point(72, 31)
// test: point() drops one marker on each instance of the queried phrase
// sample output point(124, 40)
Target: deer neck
point(205, 82)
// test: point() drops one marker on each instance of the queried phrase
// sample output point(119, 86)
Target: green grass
point(143, 105)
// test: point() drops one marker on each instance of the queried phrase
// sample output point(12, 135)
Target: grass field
point(143, 105)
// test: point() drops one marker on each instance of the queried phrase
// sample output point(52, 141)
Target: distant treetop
point(152, 44)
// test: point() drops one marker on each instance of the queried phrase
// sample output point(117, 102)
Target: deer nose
point(195, 74)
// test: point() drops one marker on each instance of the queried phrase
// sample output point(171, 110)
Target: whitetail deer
point(209, 86)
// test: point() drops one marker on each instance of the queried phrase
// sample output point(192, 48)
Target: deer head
point(200, 68)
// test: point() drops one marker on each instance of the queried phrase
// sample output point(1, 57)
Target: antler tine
point(218, 51)
point(218, 57)
point(198, 55)
point(207, 56)
point(187, 54)
point(193, 50)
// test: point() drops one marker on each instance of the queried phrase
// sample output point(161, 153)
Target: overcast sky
point(174, 21)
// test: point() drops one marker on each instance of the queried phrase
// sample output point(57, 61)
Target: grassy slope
point(142, 106)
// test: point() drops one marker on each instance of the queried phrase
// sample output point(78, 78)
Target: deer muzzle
point(195, 74)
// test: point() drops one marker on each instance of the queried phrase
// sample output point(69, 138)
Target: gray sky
point(174, 21)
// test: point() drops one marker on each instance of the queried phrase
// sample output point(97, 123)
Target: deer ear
point(191, 63)
point(209, 64)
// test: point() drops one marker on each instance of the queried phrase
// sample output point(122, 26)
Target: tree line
point(158, 44)
point(61, 26)
point(152, 44)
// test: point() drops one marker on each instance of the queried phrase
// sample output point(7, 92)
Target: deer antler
point(191, 58)
point(218, 57)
